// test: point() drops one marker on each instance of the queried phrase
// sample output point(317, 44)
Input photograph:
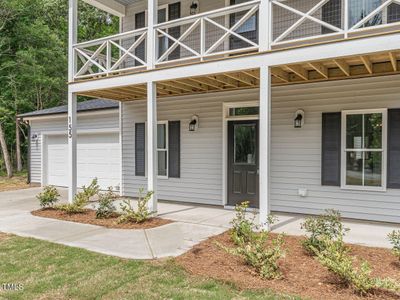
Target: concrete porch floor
point(193, 223)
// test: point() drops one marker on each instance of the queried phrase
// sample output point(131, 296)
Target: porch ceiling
point(313, 71)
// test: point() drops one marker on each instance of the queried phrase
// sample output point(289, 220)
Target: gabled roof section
point(90, 105)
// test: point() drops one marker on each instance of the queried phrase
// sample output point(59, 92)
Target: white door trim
point(225, 118)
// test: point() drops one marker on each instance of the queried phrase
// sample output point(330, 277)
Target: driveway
point(193, 224)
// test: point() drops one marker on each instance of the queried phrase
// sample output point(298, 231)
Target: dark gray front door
point(243, 162)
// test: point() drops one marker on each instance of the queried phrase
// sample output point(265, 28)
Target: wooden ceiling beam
point(320, 68)
point(393, 61)
point(208, 81)
point(299, 71)
point(243, 78)
point(252, 73)
point(367, 63)
point(225, 80)
point(171, 90)
point(280, 74)
point(194, 84)
point(342, 66)
point(178, 85)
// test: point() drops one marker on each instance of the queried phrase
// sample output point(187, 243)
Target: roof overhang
point(93, 112)
point(111, 6)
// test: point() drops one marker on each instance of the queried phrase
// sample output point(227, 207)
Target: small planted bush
point(337, 259)
point(48, 197)
point(320, 228)
point(394, 238)
point(106, 206)
point(141, 214)
point(81, 199)
point(254, 244)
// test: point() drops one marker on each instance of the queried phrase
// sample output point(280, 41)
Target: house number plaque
point(70, 127)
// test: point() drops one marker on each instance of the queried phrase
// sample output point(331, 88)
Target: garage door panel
point(98, 155)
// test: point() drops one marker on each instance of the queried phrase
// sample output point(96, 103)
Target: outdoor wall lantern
point(194, 7)
point(299, 119)
point(194, 123)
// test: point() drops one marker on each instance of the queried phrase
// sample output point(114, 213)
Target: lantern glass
point(298, 121)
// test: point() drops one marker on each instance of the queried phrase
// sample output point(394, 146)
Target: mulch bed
point(302, 274)
point(89, 217)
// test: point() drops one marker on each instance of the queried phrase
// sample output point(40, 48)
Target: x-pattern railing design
point(344, 30)
point(248, 10)
point(109, 54)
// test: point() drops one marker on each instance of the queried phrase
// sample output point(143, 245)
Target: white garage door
point(98, 156)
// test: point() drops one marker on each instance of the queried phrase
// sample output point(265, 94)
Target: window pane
point(373, 131)
point(359, 9)
point(373, 169)
point(244, 111)
point(245, 144)
point(161, 140)
point(354, 165)
point(162, 163)
point(354, 131)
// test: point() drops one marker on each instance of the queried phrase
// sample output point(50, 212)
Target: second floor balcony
point(194, 31)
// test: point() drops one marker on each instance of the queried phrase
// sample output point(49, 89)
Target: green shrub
point(326, 226)
point(254, 245)
point(106, 206)
point(48, 197)
point(336, 258)
point(81, 199)
point(141, 214)
point(394, 238)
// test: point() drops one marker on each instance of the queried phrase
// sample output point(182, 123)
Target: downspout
point(29, 152)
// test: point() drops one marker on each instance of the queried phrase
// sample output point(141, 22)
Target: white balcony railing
point(216, 33)
point(233, 30)
point(118, 53)
point(295, 21)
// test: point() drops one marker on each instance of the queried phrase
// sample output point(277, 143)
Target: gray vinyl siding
point(295, 153)
point(201, 151)
point(59, 124)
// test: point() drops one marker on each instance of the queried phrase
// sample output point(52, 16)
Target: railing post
point(346, 19)
point(109, 57)
point(265, 25)
point(152, 12)
point(202, 38)
point(72, 37)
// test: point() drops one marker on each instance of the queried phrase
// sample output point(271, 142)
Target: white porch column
point(265, 142)
point(72, 101)
point(152, 16)
point(265, 20)
point(152, 159)
point(72, 162)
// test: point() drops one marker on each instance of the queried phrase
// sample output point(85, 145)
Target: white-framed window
point(364, 144)
point(162, 148)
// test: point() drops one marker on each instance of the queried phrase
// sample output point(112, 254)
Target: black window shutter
point(393, 161)
point(174, 149)
point(140, 149)
point(331, 148)
point(174, 12)
point(140, 51)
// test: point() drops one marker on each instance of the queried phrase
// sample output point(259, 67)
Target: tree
point(33, 56)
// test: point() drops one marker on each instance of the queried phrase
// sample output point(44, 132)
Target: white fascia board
point(359, 46)
point(100, 112)
point(110, 6)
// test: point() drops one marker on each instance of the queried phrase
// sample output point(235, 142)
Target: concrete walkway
point(192, 225)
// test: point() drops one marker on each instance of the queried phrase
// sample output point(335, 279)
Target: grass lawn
point(51, 271)
point(18, 181)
